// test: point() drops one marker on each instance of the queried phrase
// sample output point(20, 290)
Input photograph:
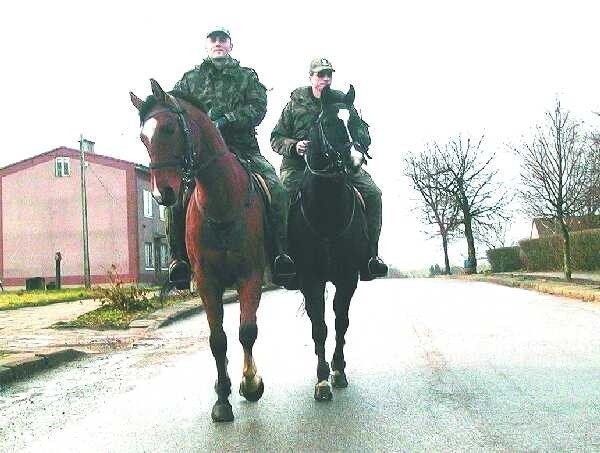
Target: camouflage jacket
point(232, 91)
point(296, 120)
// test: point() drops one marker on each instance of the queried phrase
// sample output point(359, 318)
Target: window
point(148, 255)
point(164, 256)
point(161, 212)
point(62, 167)
point(147, 204)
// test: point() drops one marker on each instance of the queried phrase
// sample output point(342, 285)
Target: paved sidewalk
point(28, 344)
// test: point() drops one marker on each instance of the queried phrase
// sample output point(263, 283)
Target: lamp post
point(83, 144)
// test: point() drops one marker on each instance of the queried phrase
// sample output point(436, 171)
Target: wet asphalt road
point(433, 365)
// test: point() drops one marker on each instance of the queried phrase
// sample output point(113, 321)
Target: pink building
point(41, 214)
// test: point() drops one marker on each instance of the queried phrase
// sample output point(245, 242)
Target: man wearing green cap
point(236, 101)
point(290, 139)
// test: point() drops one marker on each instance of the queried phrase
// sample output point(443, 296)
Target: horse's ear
point(350, 95)
point(137, 102)
point(157, 91)
point(326, 95)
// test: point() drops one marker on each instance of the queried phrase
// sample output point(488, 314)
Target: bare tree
point(476, 191)
point(556, 173)
point(436, 207)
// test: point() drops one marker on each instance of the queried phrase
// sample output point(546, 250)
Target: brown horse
point(225, 227)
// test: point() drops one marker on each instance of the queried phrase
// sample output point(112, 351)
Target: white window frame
point(149, 256)
point(161, 212)
point(62, 166)
point(164, 256)
point(148, 202)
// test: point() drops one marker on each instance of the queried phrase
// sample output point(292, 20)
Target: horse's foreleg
point(251, 386)
point(213, 306)
point(315, 307)
point(341, 305)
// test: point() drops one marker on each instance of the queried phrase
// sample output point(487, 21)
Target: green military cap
point(218, 30)
point(320, 64)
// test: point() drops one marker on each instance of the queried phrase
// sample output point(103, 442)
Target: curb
point(29, 364)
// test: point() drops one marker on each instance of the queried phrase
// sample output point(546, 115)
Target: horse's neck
point(326, 203)
point(221, 189)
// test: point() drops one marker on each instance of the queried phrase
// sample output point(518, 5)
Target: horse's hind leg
point(213, 306)
point(251, 386)
point(341, 305)
point(315, 307)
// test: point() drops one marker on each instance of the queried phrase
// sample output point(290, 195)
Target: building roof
point(548, 227)
point(69, 152)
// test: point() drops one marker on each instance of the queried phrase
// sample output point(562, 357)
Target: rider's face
point(320, 80)
point(218, 45)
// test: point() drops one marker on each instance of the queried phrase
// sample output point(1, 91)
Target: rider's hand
point(220, 122)
point(301, 147)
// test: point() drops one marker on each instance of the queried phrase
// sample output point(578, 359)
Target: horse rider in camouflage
point(236, 102)
point(289, 138)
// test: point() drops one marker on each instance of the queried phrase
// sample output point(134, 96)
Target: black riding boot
point(179, 267)
point(375, 267)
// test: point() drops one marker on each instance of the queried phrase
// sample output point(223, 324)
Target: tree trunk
point(446, 260)
point(566, 250)
point(472, 265)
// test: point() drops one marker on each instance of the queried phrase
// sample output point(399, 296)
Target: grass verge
point(585, 290)
point(108, 317)
point(12, 300)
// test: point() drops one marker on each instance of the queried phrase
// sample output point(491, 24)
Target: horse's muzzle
point(165, 197)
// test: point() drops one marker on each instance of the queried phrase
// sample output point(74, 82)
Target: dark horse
point(225, 227)
point(327, 231)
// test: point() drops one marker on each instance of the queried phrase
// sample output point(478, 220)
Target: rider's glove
point(220, 122)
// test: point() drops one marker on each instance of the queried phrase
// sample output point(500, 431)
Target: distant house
point(41, 214)
point(549, 227)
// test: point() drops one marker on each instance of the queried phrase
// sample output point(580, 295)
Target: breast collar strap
point(336, 236)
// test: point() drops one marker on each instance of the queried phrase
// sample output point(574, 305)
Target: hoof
point(323, 391)
point(338, 379)
point(222, 412)
point(252, 394)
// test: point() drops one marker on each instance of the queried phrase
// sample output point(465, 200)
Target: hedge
point(546, 253)
point(504, 259)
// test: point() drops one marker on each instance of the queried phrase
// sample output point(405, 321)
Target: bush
point(504, 259)
point(546, 253)
point(125, 298)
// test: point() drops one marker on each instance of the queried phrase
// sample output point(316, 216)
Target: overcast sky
point(423, 71)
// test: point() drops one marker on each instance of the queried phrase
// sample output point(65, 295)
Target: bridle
point(336, 168)
point(188, 163)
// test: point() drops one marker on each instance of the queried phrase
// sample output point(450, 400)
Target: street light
point(85, 146)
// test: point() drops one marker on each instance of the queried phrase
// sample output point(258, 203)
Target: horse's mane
point(151, 102)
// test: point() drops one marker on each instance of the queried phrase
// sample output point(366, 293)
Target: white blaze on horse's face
point(344, 115)
point(149, 128)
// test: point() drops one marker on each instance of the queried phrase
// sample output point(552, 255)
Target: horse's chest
point(222, 235)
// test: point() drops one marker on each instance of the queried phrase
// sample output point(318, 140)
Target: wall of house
point(41, 214)
point(150, 230)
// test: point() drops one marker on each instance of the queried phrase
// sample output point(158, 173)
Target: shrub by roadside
point(120, 304)
point(546, 253)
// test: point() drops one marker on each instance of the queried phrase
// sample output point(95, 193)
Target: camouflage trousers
point(175, 215)
point(291, 178)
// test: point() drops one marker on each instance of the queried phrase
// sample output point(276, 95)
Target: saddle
point(261, 184)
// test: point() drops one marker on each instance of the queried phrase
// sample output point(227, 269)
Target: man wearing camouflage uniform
point(290, 139)
point(236, 101)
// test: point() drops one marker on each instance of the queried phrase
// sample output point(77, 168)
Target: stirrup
point(179, 274)
point(376, 268)
point(284, 270)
